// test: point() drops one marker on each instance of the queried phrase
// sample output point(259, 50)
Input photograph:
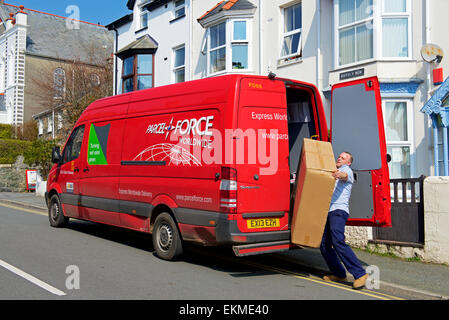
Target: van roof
point(208, 91)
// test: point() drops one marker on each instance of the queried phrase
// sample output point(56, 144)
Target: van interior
point(300, 124)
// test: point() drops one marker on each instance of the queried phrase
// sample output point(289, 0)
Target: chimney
point(10, 21)
point(21, 17)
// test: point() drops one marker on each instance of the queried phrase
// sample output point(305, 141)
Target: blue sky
point(95, 11)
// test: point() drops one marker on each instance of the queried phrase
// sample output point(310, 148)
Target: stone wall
point(436, 228)
point(12, 177)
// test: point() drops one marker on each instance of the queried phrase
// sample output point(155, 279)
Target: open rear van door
point(357, 127)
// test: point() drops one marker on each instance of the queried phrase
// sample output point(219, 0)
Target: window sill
point(370, 61)
point(231, 71)
point(283, 62)
point(140, 30)
point(178, 18)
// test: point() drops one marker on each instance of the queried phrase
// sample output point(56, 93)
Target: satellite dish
point(432, 53)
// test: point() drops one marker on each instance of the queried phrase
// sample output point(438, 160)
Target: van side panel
point(172, 150)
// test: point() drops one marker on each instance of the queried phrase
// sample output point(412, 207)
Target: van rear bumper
point(216, 228)
point(227, 232)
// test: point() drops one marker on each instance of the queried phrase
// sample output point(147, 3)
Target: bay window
point(355, 31)
point(228, 46)
point(138, 72)
point(217, 48)
point(395, 29)
point(239, 45)
point(368, 29)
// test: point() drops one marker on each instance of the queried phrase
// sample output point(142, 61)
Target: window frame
point(229, 42)
point(378, 15)
point(143, 11)
point(143, 14)
point(49, 124)
point(298, 52)
point(338, 28)
point(134, 75)
point(175, 68)
point(410, 143)
point(177, 8)
point(396, 15)
point(40, 126)
point(59, 90)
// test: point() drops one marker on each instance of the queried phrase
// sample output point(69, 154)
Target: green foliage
point(6, 131)
point(11, 149)
point(39, 154)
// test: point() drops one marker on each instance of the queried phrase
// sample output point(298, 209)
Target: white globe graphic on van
point(171, 153)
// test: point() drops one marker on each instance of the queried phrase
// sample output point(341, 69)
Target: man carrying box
point(333, 246)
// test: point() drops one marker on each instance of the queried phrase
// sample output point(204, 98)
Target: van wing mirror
point(56, 155)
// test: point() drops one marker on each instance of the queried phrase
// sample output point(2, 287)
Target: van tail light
point(228, 190)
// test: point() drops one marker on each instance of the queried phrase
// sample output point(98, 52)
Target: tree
point(39, 154)
point(27, 131)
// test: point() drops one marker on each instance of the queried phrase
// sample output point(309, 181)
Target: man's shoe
point(360, 282)
point(332, 278)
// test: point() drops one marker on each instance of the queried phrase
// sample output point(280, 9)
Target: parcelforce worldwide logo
point(183, 127)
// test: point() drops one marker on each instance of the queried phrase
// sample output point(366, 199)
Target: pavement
point(418, 279)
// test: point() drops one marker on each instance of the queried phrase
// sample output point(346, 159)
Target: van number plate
point(262, 223)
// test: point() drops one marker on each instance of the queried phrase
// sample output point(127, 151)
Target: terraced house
point(320, 41)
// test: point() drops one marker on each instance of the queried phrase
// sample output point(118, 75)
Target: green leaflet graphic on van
point(98, 143)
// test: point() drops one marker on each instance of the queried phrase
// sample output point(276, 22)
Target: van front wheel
point(55, 214)
point(166, 237)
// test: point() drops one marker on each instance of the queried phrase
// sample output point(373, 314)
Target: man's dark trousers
point(334, 248)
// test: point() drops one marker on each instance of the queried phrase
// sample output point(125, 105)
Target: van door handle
point(86, 170)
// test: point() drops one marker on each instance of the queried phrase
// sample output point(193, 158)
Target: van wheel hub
point(54, 211)
point(165, 236)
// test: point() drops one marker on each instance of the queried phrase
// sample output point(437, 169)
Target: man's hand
point(339, 175)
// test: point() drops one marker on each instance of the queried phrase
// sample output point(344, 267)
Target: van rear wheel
point(166, 237)
point(55, 213)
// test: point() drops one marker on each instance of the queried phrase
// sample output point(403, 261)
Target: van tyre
point(166, 237)
point(55, 213)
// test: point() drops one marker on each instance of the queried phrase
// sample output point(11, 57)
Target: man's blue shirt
point(342, 191)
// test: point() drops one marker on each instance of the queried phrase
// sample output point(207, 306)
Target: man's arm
point(340, 175)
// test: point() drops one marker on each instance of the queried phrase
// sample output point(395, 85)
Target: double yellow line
point(16, 207)
point(369, 293)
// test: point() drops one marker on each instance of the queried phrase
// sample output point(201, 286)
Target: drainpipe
point(115, 62)
point(430, 121)
point(435, 147)
point(445, 156)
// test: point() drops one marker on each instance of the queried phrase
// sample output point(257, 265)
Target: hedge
point(11, 149)
point(6, 131)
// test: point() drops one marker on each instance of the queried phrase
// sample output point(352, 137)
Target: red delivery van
point(211, 161)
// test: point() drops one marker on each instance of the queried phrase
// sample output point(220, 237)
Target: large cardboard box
point(314, 187)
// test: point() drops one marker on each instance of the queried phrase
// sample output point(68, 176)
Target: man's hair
point(350, 155)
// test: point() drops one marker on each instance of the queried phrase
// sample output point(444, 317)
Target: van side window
point(73, 147)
